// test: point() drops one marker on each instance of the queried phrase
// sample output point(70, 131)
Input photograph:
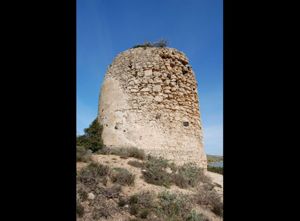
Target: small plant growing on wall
point(160, 44)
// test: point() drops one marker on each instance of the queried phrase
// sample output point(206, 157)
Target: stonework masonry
point(149, 100)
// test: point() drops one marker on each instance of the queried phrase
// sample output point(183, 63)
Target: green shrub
point(174, 207)
point(136, 153)
point(209, 198)
point(189, 175)
point(104, 151)
point(92, 179)
point(161, 44)
point(92, 138)
point(124, 152)
point(83, 154)
point(122, 176)
point(82, 140)
point(135, 163)
point(122, 202)
point(96, 169)
point(164, 207)
point(102, 208)
point(155, 172)
point(158, 161)
point(180, 181)
point(93, 173)
point(144, 213)
point(133, 210)
point(194, 216)
point(215, 169)
point(133, 199)
point(145, 45)
point(141, 204)
point(112, 192)
point(159, 171)
point(129, 152)
point(170, 204)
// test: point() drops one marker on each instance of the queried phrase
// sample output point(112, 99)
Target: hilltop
point(127, 185)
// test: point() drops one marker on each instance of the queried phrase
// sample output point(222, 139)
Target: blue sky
point(108, 27)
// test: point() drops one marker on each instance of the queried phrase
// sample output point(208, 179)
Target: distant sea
point(216, 164)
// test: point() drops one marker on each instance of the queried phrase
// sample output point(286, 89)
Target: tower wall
point(149, 100)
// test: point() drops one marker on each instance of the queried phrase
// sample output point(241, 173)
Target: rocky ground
point(112, 204)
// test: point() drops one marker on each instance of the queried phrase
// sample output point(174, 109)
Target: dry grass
point(163, 207)
point(160, 172)
point(92, 188)
point(92, 174)
point(122, 176)
point(141, 204)
point(106, 193)
point(125, 152)
point(155, 172)
point(206, 196)
point(189, 175)
point(136, 163)
point(83, 154)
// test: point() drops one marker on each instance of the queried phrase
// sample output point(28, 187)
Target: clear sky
point(108, 27)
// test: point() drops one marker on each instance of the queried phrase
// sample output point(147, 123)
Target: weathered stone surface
point(157, 88)
point(157, 81)
point(91, 196)
point(134, 90)
point(148, 73)
point(145, 89)
point(159, 98)
point(139, 86)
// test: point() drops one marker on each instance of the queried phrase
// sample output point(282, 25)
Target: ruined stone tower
point(149, 100)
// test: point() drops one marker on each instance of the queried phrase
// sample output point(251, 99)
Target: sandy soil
point(217, 179)
point(140, 185)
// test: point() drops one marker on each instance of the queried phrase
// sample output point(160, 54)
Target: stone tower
point(149, 100)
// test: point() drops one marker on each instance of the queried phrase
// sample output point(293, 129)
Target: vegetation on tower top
point(159, 44)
